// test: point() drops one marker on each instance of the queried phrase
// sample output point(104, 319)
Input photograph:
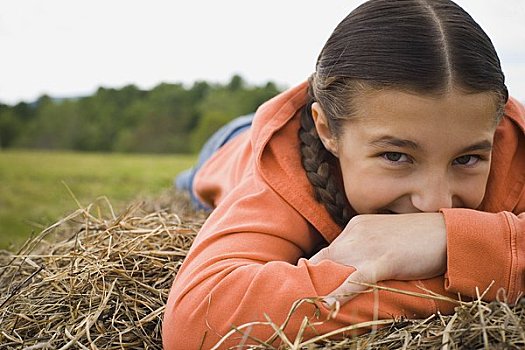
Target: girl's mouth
point(386, 211)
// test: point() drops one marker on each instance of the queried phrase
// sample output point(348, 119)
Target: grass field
point(33, 192)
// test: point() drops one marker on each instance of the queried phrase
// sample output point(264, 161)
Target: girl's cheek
point(475, 193)
point(375, 193)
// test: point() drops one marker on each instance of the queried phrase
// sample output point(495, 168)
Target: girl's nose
point(432, 194)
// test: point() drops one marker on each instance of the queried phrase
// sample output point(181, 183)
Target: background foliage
point(88, 136)
point(170, 118)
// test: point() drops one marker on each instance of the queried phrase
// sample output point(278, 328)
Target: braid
point(317, 162)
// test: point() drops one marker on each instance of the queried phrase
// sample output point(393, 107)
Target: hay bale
point(96, 280)
point(92, 281)
point(474, 325)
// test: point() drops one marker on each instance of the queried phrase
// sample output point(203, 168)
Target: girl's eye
point(395, 157)
point(467, 160)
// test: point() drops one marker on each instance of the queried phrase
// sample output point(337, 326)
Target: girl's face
point(406, 153)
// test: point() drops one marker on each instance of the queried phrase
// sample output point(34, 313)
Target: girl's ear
point(323, 130)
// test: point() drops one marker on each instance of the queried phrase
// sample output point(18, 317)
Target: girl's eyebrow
point(389, 141)
point(385, 141)
point(484, 145)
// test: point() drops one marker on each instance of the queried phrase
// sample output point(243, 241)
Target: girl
point(407, 113)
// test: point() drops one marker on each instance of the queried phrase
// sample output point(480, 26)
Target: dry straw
point(93, 281)
point(97, 280)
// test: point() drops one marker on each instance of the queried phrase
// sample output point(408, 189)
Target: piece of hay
point(97, 280)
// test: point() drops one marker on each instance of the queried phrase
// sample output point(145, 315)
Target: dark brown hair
point(421, 46)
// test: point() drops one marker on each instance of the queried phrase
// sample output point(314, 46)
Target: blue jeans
point(184, 180)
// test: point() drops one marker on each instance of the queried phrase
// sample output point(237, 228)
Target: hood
point(276, 145)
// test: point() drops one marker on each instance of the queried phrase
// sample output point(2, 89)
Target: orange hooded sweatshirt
point(249, 261)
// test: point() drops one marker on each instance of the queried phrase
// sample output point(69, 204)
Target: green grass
point(33, 194)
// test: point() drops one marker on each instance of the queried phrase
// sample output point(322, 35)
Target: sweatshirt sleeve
point(248, 263)
point(485, 249)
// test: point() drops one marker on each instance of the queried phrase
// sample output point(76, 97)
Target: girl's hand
point(387, 247)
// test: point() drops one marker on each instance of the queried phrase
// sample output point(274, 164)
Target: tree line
point(170, 118)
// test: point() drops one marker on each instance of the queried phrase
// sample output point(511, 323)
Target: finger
point(348, 289)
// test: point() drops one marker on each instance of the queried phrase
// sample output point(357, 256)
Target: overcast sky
point(71, 47)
